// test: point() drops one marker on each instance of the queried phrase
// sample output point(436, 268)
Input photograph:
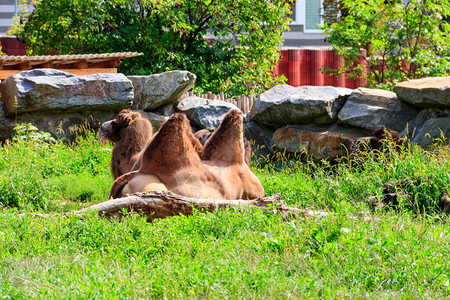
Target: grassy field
point(401, 253)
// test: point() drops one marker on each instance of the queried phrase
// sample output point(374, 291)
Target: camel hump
point(172, 148)
point(120, 182)
point(226, 144)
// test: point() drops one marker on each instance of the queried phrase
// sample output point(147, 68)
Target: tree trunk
point(155, 205)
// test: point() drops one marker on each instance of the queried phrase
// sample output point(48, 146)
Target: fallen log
point(156, 205)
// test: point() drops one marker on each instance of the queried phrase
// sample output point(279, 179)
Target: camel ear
point(226, 144)
point(172, 148)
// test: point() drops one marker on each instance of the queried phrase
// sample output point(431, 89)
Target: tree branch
point(413, 67)
point(156, 205)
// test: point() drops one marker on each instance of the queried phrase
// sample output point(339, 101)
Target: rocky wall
point(61, 103)
point(322, 121)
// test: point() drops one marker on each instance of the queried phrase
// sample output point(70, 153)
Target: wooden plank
point(90, 71)
point(42, 65)
point(5, 73)
point(110, 63)
point(82, 64)
point(24, 66)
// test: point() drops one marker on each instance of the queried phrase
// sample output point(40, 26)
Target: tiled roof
point(65, 59)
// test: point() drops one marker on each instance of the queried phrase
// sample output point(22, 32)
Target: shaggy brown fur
point(375, 141)
point(175, 160)
point(204, 134)
point(131, 134)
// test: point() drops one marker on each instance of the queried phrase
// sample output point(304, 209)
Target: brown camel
point(176, 161)
point(131, 133)
point(204, 134)
point(375, 141)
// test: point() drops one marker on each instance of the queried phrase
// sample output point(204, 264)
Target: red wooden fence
point(300, 66)
point(12, 46)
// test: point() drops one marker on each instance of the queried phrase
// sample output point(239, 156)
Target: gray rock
point(429, 125)
point(6, 130)
point(260, 138)
point(317, 141)
point(203, 113)
point(50, 90)
point(156, 119)
point(159, 89)
point(288, 105)
point(372, 108)
point(59, 125)
point(428, 92)
point(2, 112)
point(167, 109)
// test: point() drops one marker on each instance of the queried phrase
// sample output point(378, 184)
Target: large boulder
point(317, 141)
point(288, 105)
point(203, 113)
point(156, 119)
point(159, 89)
point(167, 109)
point(429, 125)
point(428, 92)
point(49, 90)
point(372, 108)
point(59, 125)
point(260, 138)
point(2, 112)
point(6, 130)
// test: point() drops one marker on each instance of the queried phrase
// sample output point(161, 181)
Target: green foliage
point(226, 254)
point(18, 19)
point(30, 132)
point(36, 173)
point(401, 41)
point(231, 253)
point(173, 35)
point(346, 185)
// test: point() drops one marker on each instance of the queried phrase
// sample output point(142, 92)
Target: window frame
point(300, 16)
point(305, 30)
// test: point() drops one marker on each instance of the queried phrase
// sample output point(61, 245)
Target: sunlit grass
point(334, 185)
point(35, 174)
point(230, 253)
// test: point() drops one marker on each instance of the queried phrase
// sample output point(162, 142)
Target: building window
point(312, 11)
point(309, 13)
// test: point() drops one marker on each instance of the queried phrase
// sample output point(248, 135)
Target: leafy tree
point(401, 39)
point(230, 45)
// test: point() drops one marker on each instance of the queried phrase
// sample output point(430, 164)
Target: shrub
point(171, 34)
point(31, 132)
point(401, 40)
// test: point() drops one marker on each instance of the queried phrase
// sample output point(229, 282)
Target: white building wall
point(7, 10)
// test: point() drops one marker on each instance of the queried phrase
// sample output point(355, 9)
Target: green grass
point(226, 254)
point(37, 175)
